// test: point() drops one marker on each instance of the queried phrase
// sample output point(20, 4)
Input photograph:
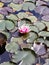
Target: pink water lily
point(24, 29)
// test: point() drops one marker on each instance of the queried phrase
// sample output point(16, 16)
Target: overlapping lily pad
point(6, 1)
point(16, 7)
point(12, 17)
point(25, 57)
point(28, 6)
point(32, 36)
point(40, 25)
point(12, 47)
point(7, 63)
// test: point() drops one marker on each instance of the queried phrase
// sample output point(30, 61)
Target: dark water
point(4, 57)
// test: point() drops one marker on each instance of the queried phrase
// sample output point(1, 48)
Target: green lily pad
point(1, 17)
point(32, 36)
point(32, 18)
point(19, 56)
point(12, 17)
point(28, 6)
point(7, 34)
point(29, 59)
point(19, 40)
point(2, 25)
point(46, 42)
point(12, 47)
point(16, 7)
point(34, 28)
point(44, 33)
point(24, 56)
point(40, 25)
point(22, 15)
point(7, 63)
point(24, 21)
point(47, 24)
point(40, 40)
point(9, 25)
point(30, 0)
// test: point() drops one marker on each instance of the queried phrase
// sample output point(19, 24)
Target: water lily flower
point(24, 29)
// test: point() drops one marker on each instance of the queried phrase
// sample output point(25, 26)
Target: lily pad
point(40, 25)
point(12, 17)
point(16, 7)
point(46, 42)
point(2, 25)
point(1, 4)
point(40, 9)
point(32, 36)
point(9, 25)
point(6, 1)
point(19, 56)
point(44, 34)
point(7, 63)
point(28, 6)
point(34, 28)
point(7, 34)
point(19, 40)
point(9, 9)
point(32, 18)
point(12, 47)
point(1, 17)
point(45, 18)
point(27, 61)
point(22, 15)
point(25, 57)
point(30, 0)
point(18, 1)
point(47, 24)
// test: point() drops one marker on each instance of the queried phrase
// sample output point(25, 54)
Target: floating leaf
point(9, 25)
point(38, 3)
point(32, 37)
point(16, 7)
point(7, 63)
point(46, 0)
point(34, 28)
point(44, 34)
point(45, 11)
point(9, 9)
point(25, 57)
point(12, 17)
point(28, 6)
point(2, 25)
point(40, 25)
point(30, 0)
point(7, 34)
point(22, 15)
point(27, 61)
point(19, 40)
point(6, 1)
point(47, 24)
point(1, 17)
point(40, 9)
point(18, 1)
point(46, 42)
point(1, 4)
point(12, 47)
point(19, 56)
point(45, 18)
point(40, 40)
point(3, 11)
point(32, 18)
